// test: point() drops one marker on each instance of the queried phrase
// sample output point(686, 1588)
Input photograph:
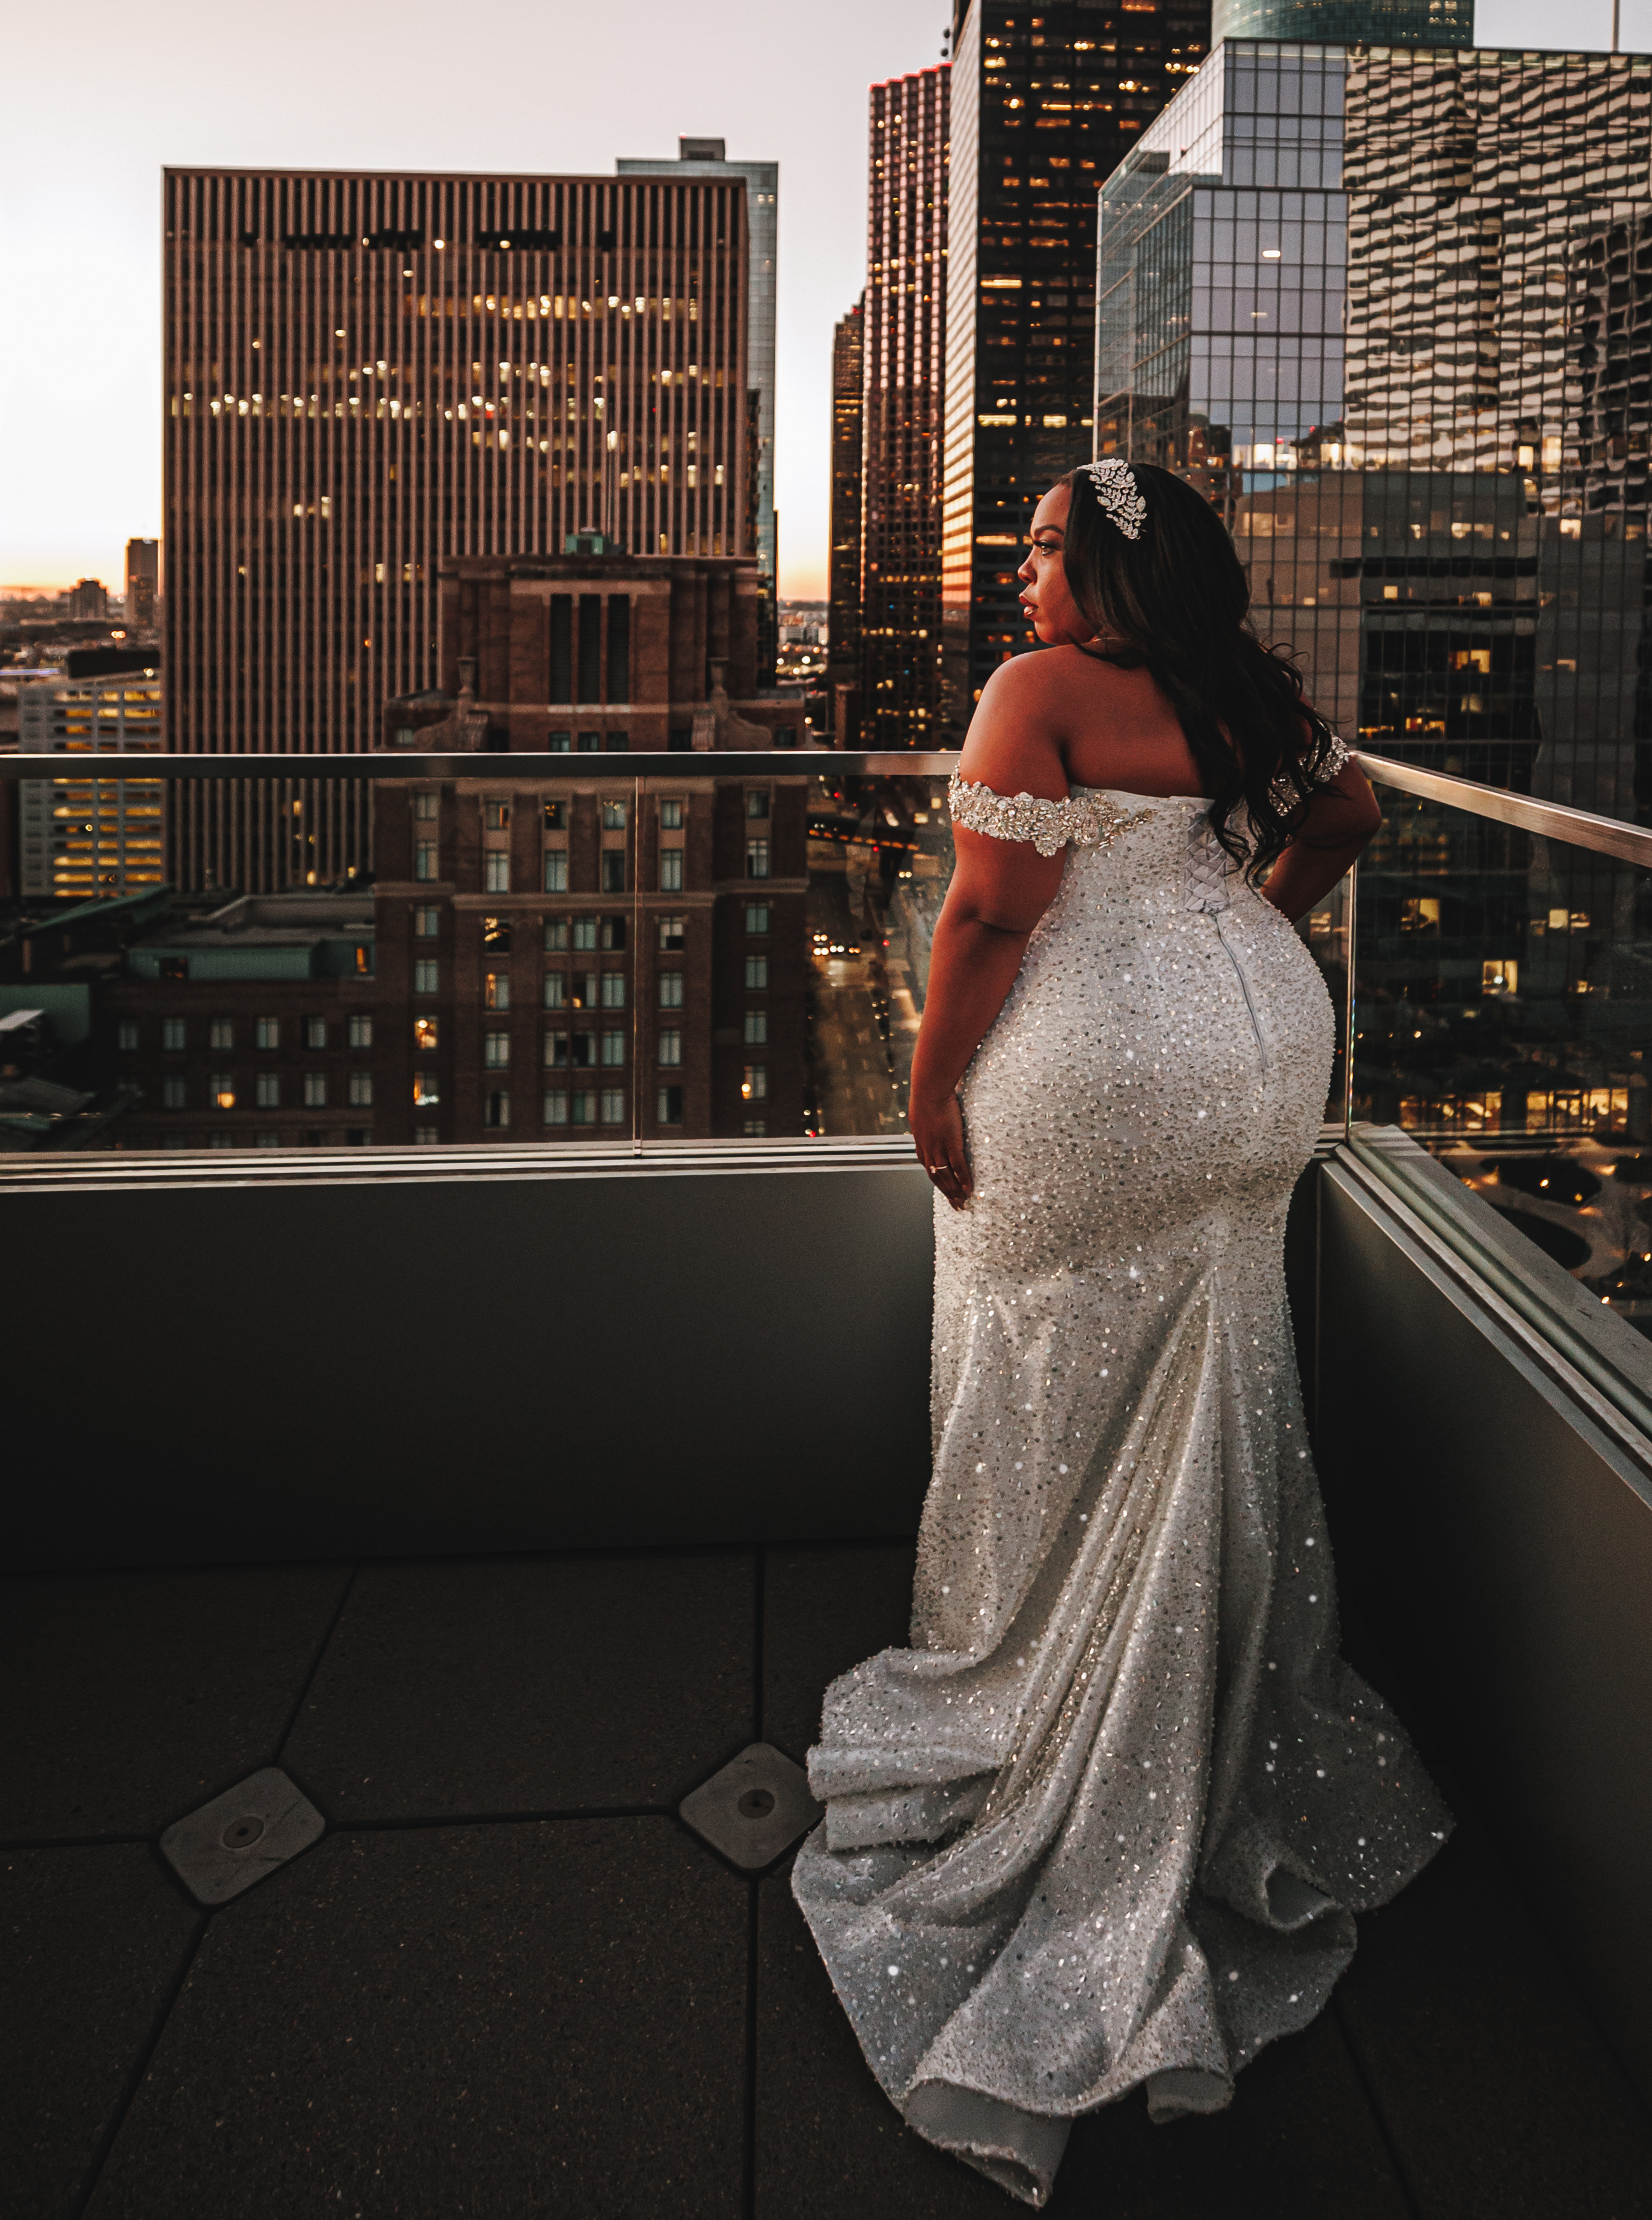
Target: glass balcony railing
point(568, 950)
point(587, 951)
point(1503, 1015)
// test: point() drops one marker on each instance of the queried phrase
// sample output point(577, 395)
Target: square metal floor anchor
point(754, 1809)
point(240, 1835)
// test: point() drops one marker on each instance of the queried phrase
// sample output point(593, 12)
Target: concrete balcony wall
point(630, 1354)
point(1492, 1514)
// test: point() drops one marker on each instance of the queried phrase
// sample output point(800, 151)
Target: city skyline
point(80, 453)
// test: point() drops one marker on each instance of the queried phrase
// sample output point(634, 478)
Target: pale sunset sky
point(101, 97)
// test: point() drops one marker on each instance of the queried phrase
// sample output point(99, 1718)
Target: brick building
point(589, 958)
point(593, 957)
point(253, 1025)
point(598, 653)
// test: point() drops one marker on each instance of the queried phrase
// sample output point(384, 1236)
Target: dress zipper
point(1244, 989)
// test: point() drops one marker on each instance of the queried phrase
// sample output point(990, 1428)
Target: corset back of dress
point(1159, 855)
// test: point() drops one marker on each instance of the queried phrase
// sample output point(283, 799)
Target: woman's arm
point(1000, 891)
point(1341, 821)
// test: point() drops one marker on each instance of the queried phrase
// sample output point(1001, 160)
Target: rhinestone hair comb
point(1118, 495)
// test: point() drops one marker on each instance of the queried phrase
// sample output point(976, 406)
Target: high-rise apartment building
point(708, 157)
point(904, 347)
point(142, 584)
point(1044, 107)
point(848, 417)
point(367, 373)
point(97, 832)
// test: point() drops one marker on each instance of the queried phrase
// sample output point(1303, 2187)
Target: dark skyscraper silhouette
point(844, 582)
point(905, 310)
point(1045, 107)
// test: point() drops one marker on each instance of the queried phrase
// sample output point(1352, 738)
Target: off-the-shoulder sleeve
point(1321, 767)
point(1086, 819)
point(1331, 755)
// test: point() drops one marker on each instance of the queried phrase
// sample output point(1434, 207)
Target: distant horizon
point(80, 420)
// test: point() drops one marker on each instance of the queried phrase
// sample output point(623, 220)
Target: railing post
point(636, 846)
point(1349, 1034)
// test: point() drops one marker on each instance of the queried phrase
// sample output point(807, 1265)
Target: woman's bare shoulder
point(1013, 744)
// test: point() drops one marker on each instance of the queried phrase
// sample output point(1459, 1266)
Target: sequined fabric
point(1108, 1820)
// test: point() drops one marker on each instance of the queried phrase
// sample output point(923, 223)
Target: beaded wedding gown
point(1108, 1820)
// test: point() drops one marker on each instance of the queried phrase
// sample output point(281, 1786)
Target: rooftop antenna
point(1615, 8)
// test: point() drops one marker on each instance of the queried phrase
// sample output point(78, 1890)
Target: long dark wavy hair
point(1178, 601)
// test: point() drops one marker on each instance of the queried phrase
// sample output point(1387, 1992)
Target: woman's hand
point(938, 1132)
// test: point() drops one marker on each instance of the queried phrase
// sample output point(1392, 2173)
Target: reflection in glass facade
point(1220, 307)
point(1375, 22)
point(1382, 304)
point(1497, 396)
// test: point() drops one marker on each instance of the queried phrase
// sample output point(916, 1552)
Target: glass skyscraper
point(1382, 304)
point(1372, 23)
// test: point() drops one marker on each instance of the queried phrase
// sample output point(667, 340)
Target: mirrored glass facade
point(1220, 298)
point(1389, 308)
point(1377, 22)
point(1383, 304)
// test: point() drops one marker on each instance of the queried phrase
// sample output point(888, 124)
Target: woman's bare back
point(1068, 717)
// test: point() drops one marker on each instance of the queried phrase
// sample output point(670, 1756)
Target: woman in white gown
point(1106, 1822)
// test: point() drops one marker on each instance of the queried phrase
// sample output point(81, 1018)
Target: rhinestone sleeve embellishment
point(1332, 757)
point(1088, 821)
point(1325, 764)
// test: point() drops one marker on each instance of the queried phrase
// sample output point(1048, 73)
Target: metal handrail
point(1581, 828)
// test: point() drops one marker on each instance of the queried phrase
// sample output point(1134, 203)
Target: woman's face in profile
point(1045, 594)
